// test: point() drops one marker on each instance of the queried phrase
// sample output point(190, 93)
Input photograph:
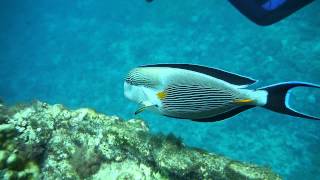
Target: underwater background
point(77, 53)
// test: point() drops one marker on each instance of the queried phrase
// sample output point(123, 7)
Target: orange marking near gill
point(162, 95)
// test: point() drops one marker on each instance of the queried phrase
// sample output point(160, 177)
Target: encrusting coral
point(41, 141)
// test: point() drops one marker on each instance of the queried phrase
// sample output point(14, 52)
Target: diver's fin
point(225, 115)
point(268, 12)
point(141, 109)
point(216, 73)
point(278, 98)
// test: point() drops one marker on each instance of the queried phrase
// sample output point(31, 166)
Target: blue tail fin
point(278, 96)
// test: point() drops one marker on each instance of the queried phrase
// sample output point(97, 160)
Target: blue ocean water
point(77, 53)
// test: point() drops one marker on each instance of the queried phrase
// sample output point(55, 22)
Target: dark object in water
point(267, 12)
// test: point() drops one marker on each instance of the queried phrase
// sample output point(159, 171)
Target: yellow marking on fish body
point(162, 95)
point(240, 101)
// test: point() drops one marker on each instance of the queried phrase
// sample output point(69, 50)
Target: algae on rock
point(49, 142)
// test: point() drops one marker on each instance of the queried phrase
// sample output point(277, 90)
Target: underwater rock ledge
point(41, 141)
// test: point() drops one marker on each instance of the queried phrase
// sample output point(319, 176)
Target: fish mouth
point(127, 90)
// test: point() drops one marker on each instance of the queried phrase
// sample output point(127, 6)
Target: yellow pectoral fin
point(243, 101)
point(161, 95)
point(141, 109)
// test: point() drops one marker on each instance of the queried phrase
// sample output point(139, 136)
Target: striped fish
point(202, 93)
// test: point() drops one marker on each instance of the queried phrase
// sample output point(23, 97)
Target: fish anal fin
point(225, 115)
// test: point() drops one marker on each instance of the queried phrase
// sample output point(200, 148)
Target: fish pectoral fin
point(243, 101)
point(141, 109)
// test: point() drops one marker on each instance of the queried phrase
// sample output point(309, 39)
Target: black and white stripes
point(195, 98)
point(138, 79)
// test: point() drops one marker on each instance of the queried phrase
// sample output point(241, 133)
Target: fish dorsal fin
point(216, 73)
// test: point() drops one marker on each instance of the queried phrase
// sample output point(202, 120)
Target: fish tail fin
point(278, 98)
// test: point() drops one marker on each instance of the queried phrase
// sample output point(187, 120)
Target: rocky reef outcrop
point(41, 141)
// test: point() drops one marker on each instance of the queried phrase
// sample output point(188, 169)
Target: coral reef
point(49, 142)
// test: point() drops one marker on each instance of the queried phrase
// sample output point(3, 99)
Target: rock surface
point(41, 141)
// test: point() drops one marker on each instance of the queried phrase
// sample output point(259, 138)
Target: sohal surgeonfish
point(204, 94)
